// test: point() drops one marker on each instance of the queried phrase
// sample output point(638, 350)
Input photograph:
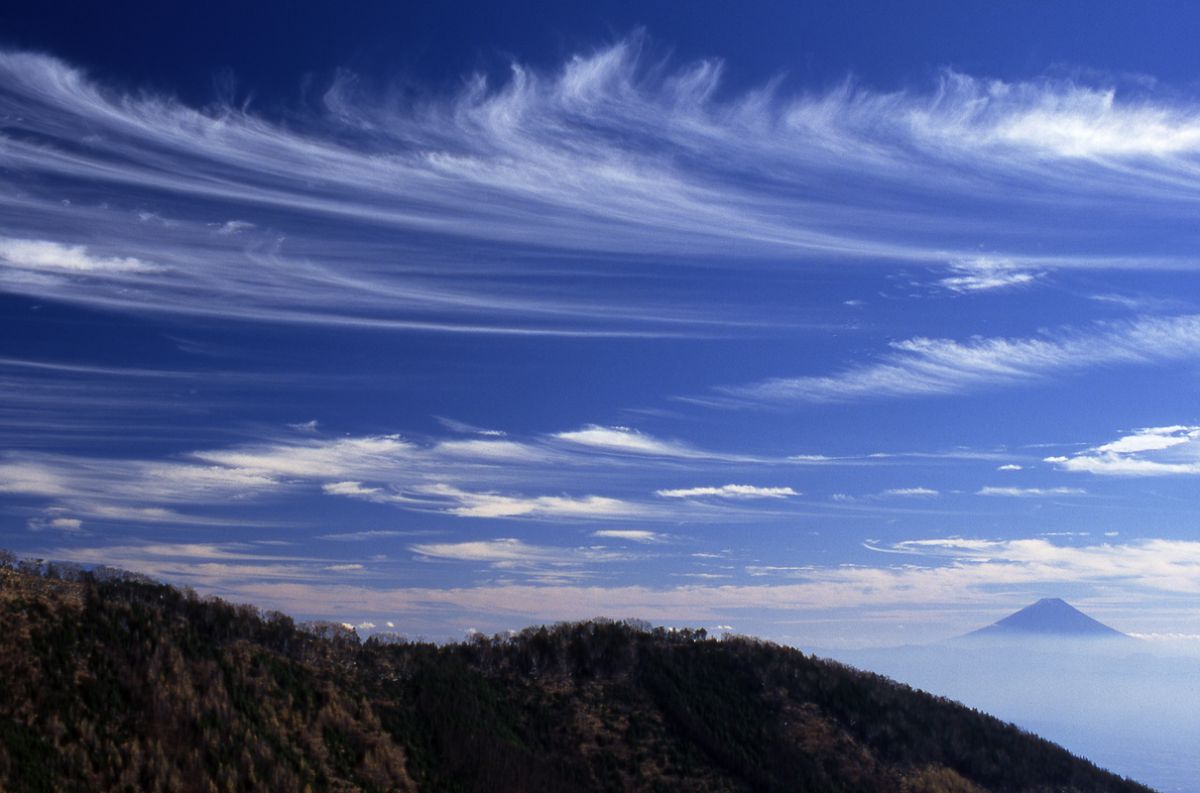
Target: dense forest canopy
point(110, 681)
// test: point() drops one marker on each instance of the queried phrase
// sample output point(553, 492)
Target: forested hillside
point(109, 681)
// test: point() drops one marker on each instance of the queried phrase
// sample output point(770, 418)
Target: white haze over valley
point(1129, 705)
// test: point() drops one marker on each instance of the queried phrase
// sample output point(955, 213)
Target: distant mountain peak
point(1049, 617)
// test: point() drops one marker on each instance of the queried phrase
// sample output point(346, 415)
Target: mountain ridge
point(114, 682)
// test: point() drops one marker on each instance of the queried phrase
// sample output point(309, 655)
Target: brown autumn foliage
point(109, 681)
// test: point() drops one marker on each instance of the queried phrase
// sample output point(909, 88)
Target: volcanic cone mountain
point(1049, 617)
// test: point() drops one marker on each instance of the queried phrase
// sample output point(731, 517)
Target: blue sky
point(841, 325)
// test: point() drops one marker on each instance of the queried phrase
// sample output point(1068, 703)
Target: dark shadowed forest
point(110, 681)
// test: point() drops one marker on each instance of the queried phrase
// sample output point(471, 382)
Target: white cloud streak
point(729, 491)
point(1029, 492)
point(469, 504)
point(630, 442)
point(985, 275)
point(631, 535)
point(366, 536)
point(472, 478)
point(612, 153)
point(595, 474)
point(934, 367)
point(214, 566)
point(41, 256)
point(510, 552)
point(1157, 564)
point(338, 458)
point(626, 440)
point(911, 492)
point(1151, 451)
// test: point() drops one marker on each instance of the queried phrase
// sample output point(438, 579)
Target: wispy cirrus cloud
point(728, 491)
point(52, 404)
point(1158, 564)
point(631, 535)
point(216, 566)
point(211, 211)
point(509, 552)
point(496, 450)
point(1029, 492)
point(891, 494)
point(487, 477)
point(51, 523)
point(1151, 451)
point(985, 275)
point(554, 565)
point(627, 440)
point(40, 256)
point(315, 459)
point(454, 425)
point(911, 492)
point(353, 489)
point(99, 480)
point(935, 367)
point(620, 440)
point(369, 535)
point(475, 504)
point(592, 474)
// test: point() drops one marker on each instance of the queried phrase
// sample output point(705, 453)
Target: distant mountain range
point(1048, 618)
point(113, 682)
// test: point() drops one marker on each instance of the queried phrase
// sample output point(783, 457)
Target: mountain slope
point(1113, 698)
point(1049, 617)
point(111, 683)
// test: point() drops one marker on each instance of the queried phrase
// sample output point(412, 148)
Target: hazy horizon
point(1126, 707)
